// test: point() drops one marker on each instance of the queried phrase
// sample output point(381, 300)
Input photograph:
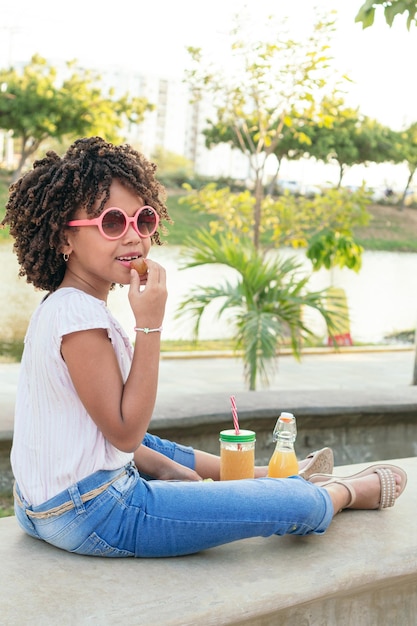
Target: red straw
point(234, 413)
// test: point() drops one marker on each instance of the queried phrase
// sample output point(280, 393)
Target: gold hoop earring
point(65, 257)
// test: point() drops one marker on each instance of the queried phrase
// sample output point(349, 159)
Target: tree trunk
point(401, 204)
point(17, 172)
point(341, 173)
point(272, 184)
point(257, 211)
point(414, 380)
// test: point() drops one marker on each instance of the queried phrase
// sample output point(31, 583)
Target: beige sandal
point(321, 462)
point(386, 476)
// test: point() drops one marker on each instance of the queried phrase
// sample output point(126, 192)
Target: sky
point(151, 37)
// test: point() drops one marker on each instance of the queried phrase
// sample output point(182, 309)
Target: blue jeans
point(120, 514)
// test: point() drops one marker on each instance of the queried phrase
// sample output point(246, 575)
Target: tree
point(392, 8)
point(289, 220)
point(366, 15)
point(268, 299)
point(334, 139)
point(254, 104)
point(293, 141)
point(343, 135)
point(406, 149)
point(38, 104)
point(256, 112)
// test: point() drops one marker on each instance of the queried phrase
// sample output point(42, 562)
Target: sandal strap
point(388, 487)
point(349, 488)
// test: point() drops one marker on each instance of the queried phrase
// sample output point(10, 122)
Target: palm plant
point(268, 298)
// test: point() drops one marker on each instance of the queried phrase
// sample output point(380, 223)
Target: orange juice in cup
point(237, 454)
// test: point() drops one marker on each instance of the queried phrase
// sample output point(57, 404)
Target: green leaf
point(267, 300)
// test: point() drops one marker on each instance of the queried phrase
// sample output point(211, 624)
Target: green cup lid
point(242, 437)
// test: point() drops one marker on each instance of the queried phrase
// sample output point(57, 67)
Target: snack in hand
point(139, 265)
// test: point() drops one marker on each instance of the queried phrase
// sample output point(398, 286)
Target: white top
point(55, 441)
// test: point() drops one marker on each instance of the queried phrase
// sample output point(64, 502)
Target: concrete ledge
point(363, 571)
point(214, 408)
point(203, 408)
point(360, 425)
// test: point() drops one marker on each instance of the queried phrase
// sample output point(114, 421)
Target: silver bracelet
point(148, 330)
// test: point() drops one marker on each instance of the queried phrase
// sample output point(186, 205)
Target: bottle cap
point(286, 417)
point(242, 437)
point(285, 428)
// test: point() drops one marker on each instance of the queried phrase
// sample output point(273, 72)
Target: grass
point(11, 350)
point(390, 229)
point(182, 345)
point(6, 506)
point(186, 222)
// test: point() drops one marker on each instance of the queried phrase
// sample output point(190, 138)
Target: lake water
point(382, 297)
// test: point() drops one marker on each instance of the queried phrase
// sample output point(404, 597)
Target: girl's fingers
point(156, 273)
point(134, 281)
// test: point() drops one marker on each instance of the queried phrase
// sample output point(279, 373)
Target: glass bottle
point(237, 454)
point(283, 462)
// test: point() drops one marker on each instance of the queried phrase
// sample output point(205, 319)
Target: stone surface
point(363, 571)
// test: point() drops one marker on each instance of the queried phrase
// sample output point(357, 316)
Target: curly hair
point(42, 201)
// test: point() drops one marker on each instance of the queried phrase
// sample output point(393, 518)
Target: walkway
point(183, 377)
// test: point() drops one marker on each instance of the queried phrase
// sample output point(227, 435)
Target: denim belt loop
point(131, 468)
point(76, 498)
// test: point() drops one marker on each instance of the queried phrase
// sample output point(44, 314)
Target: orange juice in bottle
point(284, 462)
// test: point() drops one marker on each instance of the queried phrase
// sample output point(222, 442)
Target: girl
point(81, 454)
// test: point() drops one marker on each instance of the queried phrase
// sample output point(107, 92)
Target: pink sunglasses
point(113, 223)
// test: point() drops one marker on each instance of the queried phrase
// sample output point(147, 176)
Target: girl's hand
point(178, 472)
point(161, 467)
point(148, 295)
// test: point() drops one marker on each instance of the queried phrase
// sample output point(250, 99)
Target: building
point(175, 124)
